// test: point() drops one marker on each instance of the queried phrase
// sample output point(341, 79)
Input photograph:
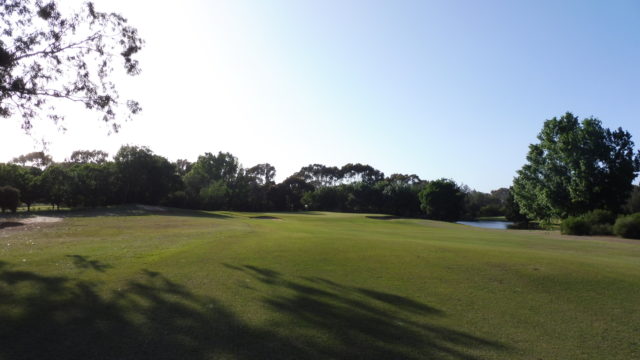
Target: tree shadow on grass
point(152, 317)
point(265, 217)
point(10, 224)
point(384, 217)
point(55, 317)
point(83, 263)
point(359, 323)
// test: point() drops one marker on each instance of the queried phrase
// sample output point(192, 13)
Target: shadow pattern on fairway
point(384, 217)
point(363, 323)
point(10, 224)
point(152, 317)
point(265, 217)
point(84, 263)
point(54, 317)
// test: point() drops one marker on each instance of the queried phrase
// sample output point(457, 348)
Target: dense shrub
point(601, 229)
point(9, 198)
point(596, 222)
point(628, 226)
point(599, 216)
point(575, 226)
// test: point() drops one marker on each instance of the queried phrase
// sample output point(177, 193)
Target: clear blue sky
point(455, 89)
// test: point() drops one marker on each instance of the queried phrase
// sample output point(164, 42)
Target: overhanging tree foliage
point(576, 167)
point(47, 55)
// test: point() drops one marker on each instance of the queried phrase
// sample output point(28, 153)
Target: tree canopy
point(442, 199)
point(218, 181)
point(576, 167)
point(37, 159)
point(47, 55)
point(88, 156)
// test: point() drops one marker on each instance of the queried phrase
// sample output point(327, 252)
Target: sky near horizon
point(454, 89)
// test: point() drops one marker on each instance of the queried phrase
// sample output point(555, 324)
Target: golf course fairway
point(311, 285)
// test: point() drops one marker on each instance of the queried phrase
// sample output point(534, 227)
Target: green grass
point(194, 285)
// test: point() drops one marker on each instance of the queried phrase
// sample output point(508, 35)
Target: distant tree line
point(577, 167)
point(219, 182)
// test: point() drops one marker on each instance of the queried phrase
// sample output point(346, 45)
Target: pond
point(500, 225)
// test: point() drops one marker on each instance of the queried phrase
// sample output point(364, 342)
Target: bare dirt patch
point(8, 225)
point(41, 219)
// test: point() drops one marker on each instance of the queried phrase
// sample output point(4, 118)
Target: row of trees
point(216, 182)
point(577, 167)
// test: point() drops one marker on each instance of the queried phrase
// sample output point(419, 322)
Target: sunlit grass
point(312, 285)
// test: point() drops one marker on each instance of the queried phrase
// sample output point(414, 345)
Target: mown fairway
point(188, 285)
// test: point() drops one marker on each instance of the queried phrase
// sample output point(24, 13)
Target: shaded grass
point(223, 285)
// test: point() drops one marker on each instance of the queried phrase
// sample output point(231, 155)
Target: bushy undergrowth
point(575, 225)
point(596, 222)
point(599, 216)
point(628, 226)
point(601, 229)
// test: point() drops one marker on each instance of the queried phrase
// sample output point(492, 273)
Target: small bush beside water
point(628, 226)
